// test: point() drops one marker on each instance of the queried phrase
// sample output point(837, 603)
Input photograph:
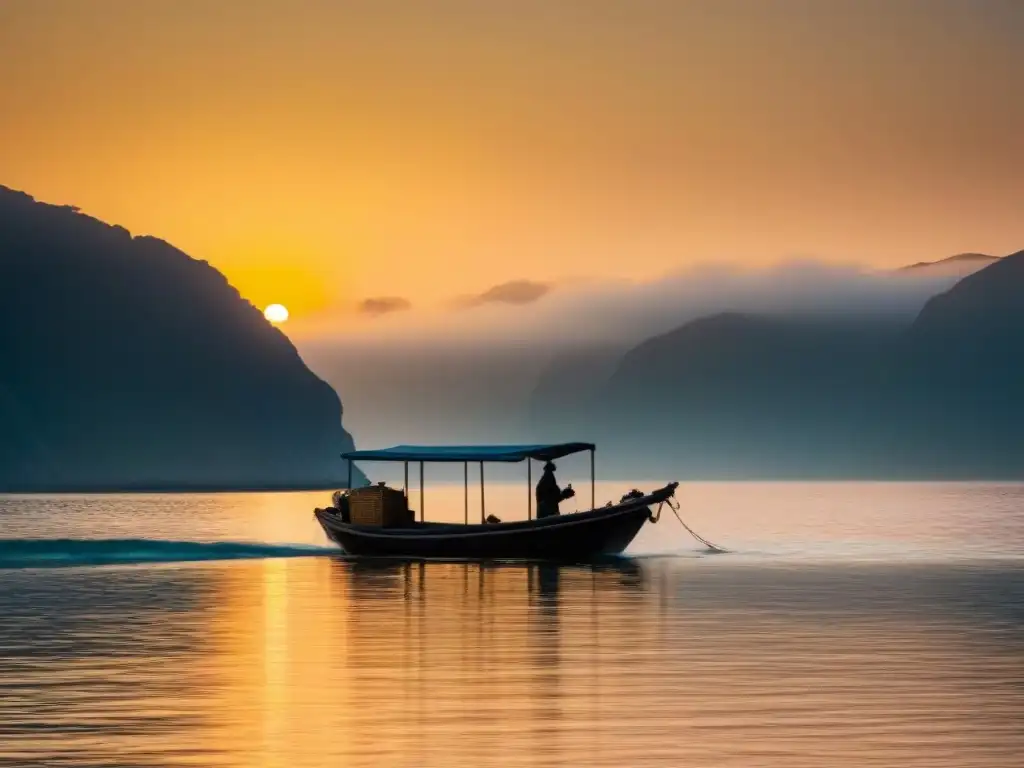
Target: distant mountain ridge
point(769, 396)
point(126, 364)
point(845, 389)
point(961, 263)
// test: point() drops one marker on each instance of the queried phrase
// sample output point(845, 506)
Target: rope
point(701, 539)
point(657, 515)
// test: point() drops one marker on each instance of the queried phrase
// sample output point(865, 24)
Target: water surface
point(849, 625)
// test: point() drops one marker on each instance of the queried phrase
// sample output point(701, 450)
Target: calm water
point(849, 625)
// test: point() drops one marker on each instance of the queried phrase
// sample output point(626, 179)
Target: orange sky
point(323, 152)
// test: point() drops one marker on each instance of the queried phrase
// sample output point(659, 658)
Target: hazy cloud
point(383, 305)
point(626, 312)
point(514, 292)
point(632, 311)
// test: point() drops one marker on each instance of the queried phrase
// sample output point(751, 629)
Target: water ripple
point(848, 658)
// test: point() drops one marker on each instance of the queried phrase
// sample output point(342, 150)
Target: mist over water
point(849, 624)
point(472, 374)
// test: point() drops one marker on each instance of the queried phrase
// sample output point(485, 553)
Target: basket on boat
point(378, 505)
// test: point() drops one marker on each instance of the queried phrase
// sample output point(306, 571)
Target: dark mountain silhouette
point(984, 309)
point(741, 395)
point(752, 396)
point(965, 357)
point(126, 364)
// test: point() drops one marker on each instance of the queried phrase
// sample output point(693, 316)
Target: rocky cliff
point(126, 364)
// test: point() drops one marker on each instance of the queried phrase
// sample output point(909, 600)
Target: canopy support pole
point(529, 489)
point(421, 491)
point(350, 474)
point(482, 502)
point(465, 488)
point(593, 482)
point(405, 483)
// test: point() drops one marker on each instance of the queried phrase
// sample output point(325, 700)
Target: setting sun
point(276, 313)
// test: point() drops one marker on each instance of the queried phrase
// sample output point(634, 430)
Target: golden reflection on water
point(463, 662)
point(761, 657)
point(325, 662)
point(276, 652)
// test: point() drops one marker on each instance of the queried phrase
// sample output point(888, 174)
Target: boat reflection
point(386, 579)
point(487, 633)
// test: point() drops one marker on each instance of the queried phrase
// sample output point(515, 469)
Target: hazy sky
point(324, 152)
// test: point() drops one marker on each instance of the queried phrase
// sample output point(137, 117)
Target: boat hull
point(577, 536)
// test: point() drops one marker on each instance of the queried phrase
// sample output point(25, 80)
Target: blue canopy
point(460, 453)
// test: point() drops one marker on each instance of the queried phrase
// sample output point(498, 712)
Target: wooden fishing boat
point(576, 536)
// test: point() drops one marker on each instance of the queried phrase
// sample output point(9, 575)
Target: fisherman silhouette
point(549, 495)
